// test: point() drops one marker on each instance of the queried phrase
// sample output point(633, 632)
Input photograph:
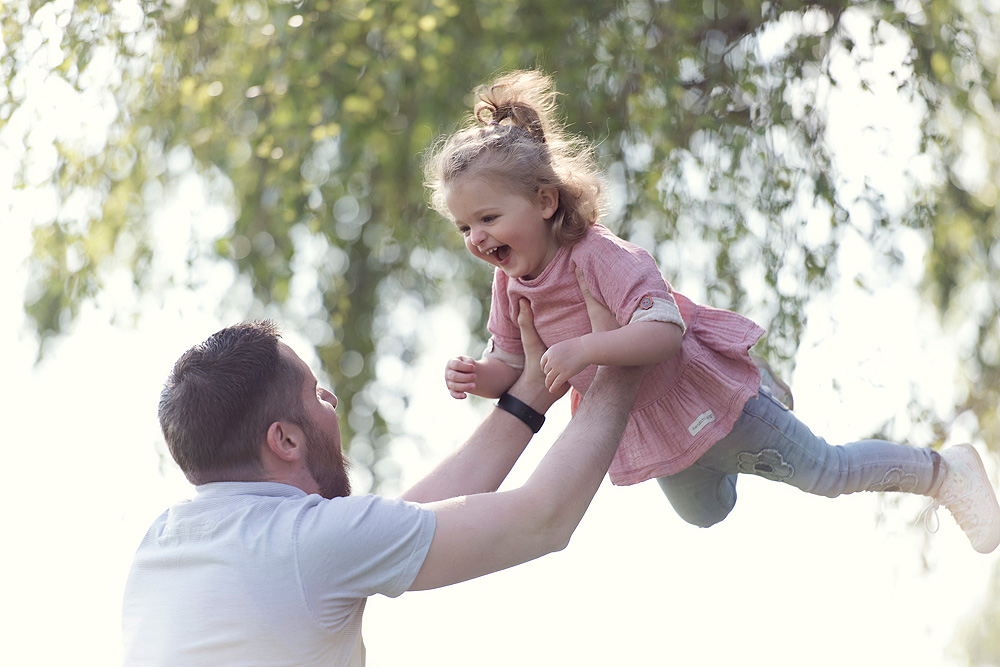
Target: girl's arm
point(636, 344)
point(489, 377)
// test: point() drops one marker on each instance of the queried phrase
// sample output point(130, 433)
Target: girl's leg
point(700, 496)
point(769, 441)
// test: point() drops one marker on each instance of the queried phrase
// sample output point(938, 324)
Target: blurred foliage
point(307, 121)
point(978, 634)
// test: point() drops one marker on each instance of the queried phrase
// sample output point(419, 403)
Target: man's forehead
point(290, 354)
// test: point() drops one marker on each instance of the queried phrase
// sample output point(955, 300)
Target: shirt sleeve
point(626, 278)
point(352, 548)
point(505, 335)
point(512, 359)
point(655, 309)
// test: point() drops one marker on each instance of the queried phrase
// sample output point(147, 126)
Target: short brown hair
point(221, 397)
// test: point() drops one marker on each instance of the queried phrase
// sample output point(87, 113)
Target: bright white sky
point(788, 579)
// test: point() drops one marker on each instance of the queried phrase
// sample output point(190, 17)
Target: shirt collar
point(227, 489)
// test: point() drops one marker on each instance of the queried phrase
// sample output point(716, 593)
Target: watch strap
point(532, 418)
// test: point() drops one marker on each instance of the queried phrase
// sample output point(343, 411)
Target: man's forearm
point(482, 463)
point(487, 532)
point(567, 479)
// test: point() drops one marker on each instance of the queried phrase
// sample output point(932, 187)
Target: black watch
point(532, 418)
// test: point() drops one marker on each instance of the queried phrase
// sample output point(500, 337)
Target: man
point(272, 562)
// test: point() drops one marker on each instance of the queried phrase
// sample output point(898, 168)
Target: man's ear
point(548, 201)
point(286, 441)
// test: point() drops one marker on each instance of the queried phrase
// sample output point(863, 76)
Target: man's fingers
point(587, 296)
point(601, 319)
point(526, 321)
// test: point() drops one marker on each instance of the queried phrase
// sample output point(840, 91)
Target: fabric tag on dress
point(703, 420)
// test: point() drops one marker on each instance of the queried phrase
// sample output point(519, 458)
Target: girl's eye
point(489, 218)
point(463, 230)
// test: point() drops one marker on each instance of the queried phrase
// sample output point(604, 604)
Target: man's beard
point(326, 463)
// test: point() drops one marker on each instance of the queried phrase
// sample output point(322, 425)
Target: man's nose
point(329, 397)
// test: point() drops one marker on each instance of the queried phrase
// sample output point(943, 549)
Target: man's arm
point(484, 461)
point(487, 532)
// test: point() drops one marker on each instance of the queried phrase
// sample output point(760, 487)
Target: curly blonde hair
point(513, 134)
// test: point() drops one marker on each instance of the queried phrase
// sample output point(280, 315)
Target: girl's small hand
point(562, 361)
point(460, 376)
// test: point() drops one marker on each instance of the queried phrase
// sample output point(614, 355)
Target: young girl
point(526, 197)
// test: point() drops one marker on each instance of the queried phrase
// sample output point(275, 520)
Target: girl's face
point(503, 227)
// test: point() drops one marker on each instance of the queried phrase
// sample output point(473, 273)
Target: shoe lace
point(959, 509)
point(929, 517)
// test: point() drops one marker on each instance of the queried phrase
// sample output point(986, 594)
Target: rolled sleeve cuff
point(655, 309)
point(515, 361)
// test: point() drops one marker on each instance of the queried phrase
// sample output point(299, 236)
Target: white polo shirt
point(259, 573)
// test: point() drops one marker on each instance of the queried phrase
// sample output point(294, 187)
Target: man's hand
point(601, 317)
point(564, 360)
point(534, 349)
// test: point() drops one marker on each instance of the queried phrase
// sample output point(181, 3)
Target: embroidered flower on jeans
point(768, 464)
point(895, 480)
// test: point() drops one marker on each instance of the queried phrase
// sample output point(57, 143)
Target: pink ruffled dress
point(685, 404)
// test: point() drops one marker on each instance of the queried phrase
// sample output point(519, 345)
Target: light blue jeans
point(770, 442)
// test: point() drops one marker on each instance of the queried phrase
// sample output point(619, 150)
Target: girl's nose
point(477, 236)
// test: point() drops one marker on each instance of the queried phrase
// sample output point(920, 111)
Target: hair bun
point(520, 115)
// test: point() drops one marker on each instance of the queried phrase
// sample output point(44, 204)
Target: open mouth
point(500, 253)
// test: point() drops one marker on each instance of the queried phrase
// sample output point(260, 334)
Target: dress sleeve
point(626, 278)
point(515, 361)
point(505, 335)
point(654, 309)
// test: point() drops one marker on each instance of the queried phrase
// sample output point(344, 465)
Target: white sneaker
point(966, 493)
